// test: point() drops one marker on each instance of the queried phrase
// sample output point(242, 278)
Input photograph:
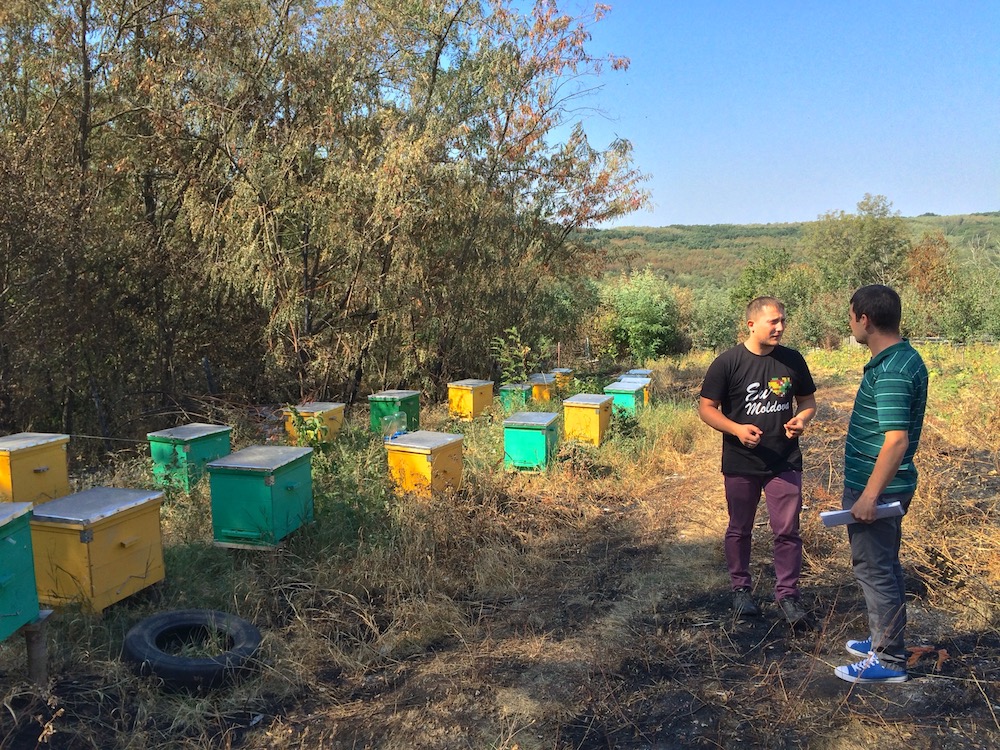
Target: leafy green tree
point(641, 317)
point(869, 247)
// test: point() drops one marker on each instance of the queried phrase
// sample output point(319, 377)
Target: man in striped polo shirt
point(878, 469)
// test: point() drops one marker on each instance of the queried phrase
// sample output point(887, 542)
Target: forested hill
point(714, 255)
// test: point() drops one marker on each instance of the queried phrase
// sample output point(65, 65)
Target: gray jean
point(875, 557)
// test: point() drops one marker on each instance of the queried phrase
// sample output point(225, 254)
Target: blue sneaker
point(870, 669)
point(859, 648)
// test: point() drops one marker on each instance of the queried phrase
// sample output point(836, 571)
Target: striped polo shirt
point(892, 396)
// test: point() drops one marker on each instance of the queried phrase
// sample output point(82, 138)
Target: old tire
point(148, 645)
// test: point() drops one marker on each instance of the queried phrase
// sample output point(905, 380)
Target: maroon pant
point(783, 495)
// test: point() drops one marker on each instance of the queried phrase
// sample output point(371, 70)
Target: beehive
point(647, 387)
point(260, 495)
point(323, 420)
point(180, 453)
point(387, 403)
point(639, 373)
point(514, 396)
point(586, 417)
point(627, 396)
point(542, 386)
point(530, 440)
point(563, 376)
point(424, 462)
point(467, 399)
point(33, 467)
point(18, 597)
point(97, 547)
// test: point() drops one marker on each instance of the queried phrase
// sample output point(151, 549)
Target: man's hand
point(863, 509)
point(795, 426)
point(748, 434)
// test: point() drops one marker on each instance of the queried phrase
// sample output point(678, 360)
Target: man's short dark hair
point(881, 304)
point(759, 304)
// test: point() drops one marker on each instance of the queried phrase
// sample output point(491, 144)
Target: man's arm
point(886, 465)
point(805, 411)
point(748, 434)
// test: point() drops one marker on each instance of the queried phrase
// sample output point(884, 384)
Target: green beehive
point(18, 597)
point(260, 495)
point(628, 396)
point(180, 453)
point(514, 396)
point(387, 403)
point(530, 439)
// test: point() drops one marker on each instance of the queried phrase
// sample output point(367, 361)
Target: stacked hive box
point(647, 387)
point(586, 417)
point(260, 495)
point(424, 462)
point(33, 467)
point(323, 420)
point(97, 547)
point(563, 376)
point(467, 399)
point(180, 453)
point(18, 597)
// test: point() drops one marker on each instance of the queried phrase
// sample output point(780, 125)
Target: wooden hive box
point(387, 403)
point(181, 453)
point(325, 418)
point(260, 495)
point(530, 440)
point(97, 547)
point(425, 462)
point(586, 417)
point(627, 396)
point(18, 596)
point(467, 399)
point(33, 467)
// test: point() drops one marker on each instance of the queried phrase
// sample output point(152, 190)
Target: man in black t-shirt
point(748, 395)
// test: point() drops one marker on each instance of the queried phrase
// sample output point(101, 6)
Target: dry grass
point(581, 608)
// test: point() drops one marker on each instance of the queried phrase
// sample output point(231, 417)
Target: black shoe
point(743, 604)
point(795, 615)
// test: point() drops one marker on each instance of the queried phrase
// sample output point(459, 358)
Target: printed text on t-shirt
point(757, 399)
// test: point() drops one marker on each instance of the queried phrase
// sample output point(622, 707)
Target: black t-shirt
point(755, 389)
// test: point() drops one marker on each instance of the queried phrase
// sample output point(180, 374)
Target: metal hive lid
point(10, 511)
point(586, 399)
point(516, 387)
point(424, 440)
point(392, 395)
point(631, 379)
point(21, 440)
point(314, 407)
point(262, 458)
point(92, 505)
point(188, 431)
point(531, 419)
point(624, 386)
point(543, 378)
point(470, 383)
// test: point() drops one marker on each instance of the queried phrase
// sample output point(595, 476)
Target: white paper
point(840, 517)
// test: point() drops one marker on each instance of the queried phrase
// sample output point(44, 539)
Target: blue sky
point(760, 112)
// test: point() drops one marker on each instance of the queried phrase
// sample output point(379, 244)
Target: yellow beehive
point(563, 376)
point(467, 399)
point(97, 547)
point(586, 417)
point(33, 467)
point(542, 386)
point(424, 462)
point(323, 418)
